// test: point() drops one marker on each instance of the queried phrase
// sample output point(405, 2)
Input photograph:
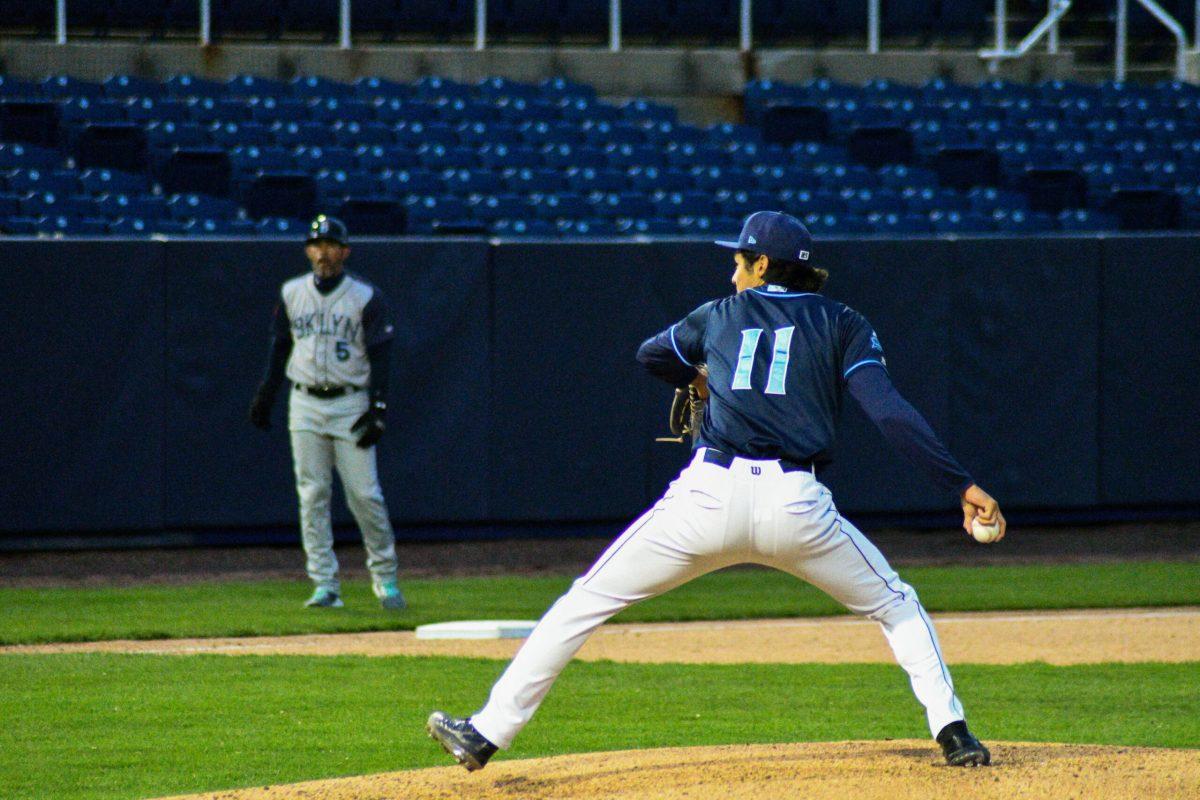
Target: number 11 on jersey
point(780, 355)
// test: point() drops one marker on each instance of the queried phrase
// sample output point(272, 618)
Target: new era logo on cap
point(775, 235)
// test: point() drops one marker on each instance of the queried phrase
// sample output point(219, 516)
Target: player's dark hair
point(795, 275)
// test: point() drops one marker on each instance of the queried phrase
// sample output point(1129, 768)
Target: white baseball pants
point(321, 440)
point(713, 517)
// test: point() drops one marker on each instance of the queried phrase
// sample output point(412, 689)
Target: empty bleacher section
point(254, 156)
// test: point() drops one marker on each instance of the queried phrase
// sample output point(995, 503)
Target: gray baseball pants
point(321, 441)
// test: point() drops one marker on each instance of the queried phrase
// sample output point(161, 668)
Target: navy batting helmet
point(326, 227)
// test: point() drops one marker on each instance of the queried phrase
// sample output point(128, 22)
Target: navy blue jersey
point(778, 362)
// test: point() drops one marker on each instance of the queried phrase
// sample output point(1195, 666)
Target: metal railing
point(1047, 28)
point(1057, 9)
point(1167, 21)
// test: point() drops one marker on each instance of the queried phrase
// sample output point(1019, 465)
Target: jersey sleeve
point(674, 354)
point(687, 336)
point(377, 320)
point(860, 344)
point(281, 326)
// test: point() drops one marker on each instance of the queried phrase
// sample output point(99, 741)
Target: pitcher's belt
point(723, 459)
point(326, 392)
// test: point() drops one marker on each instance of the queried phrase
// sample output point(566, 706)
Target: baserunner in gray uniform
point(331, 338)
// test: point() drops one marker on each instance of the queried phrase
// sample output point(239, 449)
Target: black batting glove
point(260, 410)
point(370, 425)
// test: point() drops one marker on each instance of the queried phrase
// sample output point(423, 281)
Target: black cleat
point(961, 748)
point(459, 738)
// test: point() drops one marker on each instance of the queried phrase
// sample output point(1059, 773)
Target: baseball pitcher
point(779, 357)
point(331, 339)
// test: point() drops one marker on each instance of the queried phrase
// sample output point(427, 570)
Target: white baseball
point(985, 533)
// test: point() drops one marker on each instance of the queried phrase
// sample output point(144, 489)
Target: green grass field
point(96, 726)
point(274, 607)
point(87, 727)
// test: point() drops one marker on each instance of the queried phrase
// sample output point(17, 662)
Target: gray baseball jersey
point(331, 333)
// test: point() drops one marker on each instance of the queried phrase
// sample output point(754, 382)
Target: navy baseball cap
point(774, 235)
point(331, 228)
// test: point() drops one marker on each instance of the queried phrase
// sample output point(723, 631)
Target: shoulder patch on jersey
point(875, 345)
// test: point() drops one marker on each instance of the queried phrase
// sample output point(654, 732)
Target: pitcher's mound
point(891, 770)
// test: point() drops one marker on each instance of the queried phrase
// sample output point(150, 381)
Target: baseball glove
point(687, 413)
point(370, 426)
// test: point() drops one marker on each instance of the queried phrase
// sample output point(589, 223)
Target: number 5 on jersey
point(780, 355)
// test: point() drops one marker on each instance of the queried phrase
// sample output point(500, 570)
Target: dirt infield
point(1126, 635)
point(889, 770)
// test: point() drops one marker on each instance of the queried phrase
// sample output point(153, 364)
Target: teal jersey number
point(781, 353)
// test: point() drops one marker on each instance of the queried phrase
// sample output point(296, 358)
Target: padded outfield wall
point(1062, 371)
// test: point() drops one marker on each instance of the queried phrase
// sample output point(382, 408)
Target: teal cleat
point(324, 597)
point(389, 596)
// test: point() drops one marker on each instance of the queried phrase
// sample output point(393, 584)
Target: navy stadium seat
point(105, 181)
point(1022, 221)
point(302, 134)
point(314, 87)
point(533, 181)
point(648, 179)
point(311, 159)
point(353, 134)
point(499, 156)
point(16, 155)
point(610, 205)
point(165, 136)
point(493, 207)
point(465, 182)
point(406, 183)
point(683, 204)
point(221, 227)
point(899, 224)
point(479, 133)
point(130, 227)
point(959, 222)
point(281, 227)
point(426, 212)
point(149, 109)
point(269, 110)
point(191, 86)
point(376, 158)
point(653, 226)
point(417, 133)
point(564, 156)
point(61, 182)
point(584, 180)
point(339, 184)
point(711, 179)
point(199, 206)
point(19, 225)
point(566, 205)
point(341, 109)
point(118, 206)
point(524, 227)
point(255, 86)
point(240, 134)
